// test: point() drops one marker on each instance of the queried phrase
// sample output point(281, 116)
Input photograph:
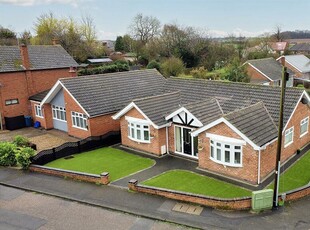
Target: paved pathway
point(294, 216)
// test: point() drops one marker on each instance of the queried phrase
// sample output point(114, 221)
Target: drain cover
point(188, 208)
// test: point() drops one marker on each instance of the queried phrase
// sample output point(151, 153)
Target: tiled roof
point(301, 62)
point(300, 47)
point(39, 96)
point(268, 66)
point(239, 94)
point(206, 110)
point(157, 107)
point(41, 57)
point(255, 123)
point(108, 93)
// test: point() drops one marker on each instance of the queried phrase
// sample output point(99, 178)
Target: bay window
point(79, 120)
point(138, 130)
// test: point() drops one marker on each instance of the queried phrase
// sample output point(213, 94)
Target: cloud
point(236, 32)
point(106, 35)
point(74, 3)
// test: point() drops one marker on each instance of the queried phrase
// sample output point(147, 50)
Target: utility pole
point(285, 76)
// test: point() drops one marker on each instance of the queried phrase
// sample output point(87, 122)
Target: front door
point(184, 142)
point(187, 141)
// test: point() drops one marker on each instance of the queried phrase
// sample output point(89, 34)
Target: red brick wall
point(71, 105)
point(103, 124)
point(14, 85)
point(47, 120)
point(158, 137)
point(297, 72)
point(23, 84)
point(248, 171)
point(254, 74)
point(268, 156)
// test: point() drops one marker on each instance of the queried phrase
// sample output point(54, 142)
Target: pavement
point(291, 216)
point(26, 210)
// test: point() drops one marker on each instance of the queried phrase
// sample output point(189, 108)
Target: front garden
point(296, 176)
point(117, 162)
point(186, 181)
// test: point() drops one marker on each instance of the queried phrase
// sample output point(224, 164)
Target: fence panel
point(71, 148)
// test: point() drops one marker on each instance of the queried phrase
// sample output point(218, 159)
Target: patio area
point(44, 139)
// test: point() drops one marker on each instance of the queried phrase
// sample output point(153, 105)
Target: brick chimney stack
point(25, 56)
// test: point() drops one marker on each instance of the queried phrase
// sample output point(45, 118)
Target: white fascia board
point(138, 120)
point(133, 105)
point(123, 111)
point(223, 120)
point(76, 101)
point(183, 109)
point(260, 72)
point(304, 94)
point(52, 93)
point(225, 139)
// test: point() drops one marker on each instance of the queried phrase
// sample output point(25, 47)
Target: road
point(26, 210)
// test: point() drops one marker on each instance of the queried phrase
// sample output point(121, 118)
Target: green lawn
point(296, 176)
point(187, 181)
point(117, 162)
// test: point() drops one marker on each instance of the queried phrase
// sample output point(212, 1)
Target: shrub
point(23, 156)
point(153, 65)
point(118, 66)
point(172, 67)
point(200, 72)
point(7, 154)
point(21, 141)
point(143, 60)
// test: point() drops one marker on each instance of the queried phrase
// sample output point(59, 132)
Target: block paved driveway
point(44, 139)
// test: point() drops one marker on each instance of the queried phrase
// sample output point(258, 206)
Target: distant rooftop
point(301, 62)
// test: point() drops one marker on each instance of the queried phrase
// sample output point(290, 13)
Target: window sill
point(139, 141)
point(85, 129)
point(303, 134)
point(226, 164)
point(288, 144)
point(59, 120)
point(39, 116)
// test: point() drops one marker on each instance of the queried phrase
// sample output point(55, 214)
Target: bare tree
point(144, 28)
point(277, 35)
point(88, 29)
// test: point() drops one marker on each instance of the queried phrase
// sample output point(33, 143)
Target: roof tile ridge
point(244, 108)
point(156, 96)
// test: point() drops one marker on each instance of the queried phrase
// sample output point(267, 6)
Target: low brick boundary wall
point(298, 193)
point(103, 178)
point(243, 203)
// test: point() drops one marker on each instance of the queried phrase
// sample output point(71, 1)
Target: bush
point(21, 141)
point(23, 156)
point(7, 154)
point(153, 65)
point(200, 72)
point(142, 60)
point(118, 66)
point(172, 67)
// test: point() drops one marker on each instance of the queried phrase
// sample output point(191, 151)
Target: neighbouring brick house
point(28, 70)
point(299, 64)
point(83, 106)
point(266, 71)
point(229, 128)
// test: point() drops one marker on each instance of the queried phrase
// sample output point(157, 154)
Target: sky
point(218, 18)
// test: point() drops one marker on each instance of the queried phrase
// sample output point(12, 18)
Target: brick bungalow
point(229, 128)
point(299, 64)
point(83, 106)
point(28, 70)
point(266, 71)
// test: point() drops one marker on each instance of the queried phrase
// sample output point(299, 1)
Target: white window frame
point(304, 122)
point(223, 148)
point(289, 131)
point(60, 109)
point(14, 101)
point(182, 147)
point(136, 125)
point(79, 118)
point(38, 111)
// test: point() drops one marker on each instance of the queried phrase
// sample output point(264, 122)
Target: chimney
point(55, 41)
point(25, 56)
point(72, 71)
